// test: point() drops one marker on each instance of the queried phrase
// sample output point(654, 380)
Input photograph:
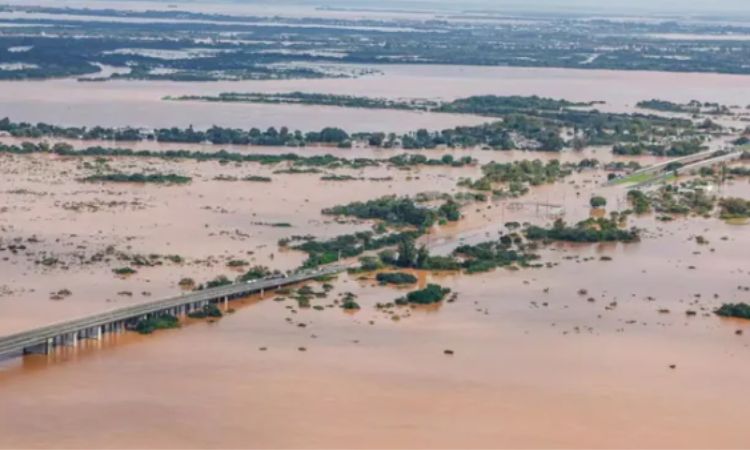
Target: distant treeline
point(223, 156)
point(528, 123)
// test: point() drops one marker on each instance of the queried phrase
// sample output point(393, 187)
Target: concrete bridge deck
point(659, 167)
point(42, 339)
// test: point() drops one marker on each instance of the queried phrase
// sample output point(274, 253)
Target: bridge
point(44, 339)
point(692, 168)
point(659, 167)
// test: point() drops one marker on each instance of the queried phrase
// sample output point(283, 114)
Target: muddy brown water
point(535, 363)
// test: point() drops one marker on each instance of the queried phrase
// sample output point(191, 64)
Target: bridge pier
point(40, 349)
point(70, 340)
point(92, 333)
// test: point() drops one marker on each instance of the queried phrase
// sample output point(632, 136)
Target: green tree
point(598, 201)
point(407, 253)
point(422, 256)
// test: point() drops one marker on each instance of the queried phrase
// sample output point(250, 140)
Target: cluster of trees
point(329, 161)
point(684, 199)
point(396, 278)
point(255, 273)
point(254, 136)
point(597, 201)
point(641, 202)
point(532, 123)
point(667, 106)
point(348, 245)
point(433, 293)
point(160, 322)
point(398, 211)
point(516, 176)
point(214, 135)
point(678, 148)
point(691, 107)
point(506, 251)
point(156, 178)
point(209, 310)
point(590, 230)
point(411, 159)
point(734, 208)
point(305, 98)
point(738, 310)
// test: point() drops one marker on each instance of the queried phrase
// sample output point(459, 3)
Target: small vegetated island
point(159, 322)
point(156, 178)
point(433, 293)
point(409, 219)
point(514, 179)
point(298, 163)
point(396, 278)
point(691, 107)
point(736, 310)
point(734, 208)
point(589, 230)
point(688, 198)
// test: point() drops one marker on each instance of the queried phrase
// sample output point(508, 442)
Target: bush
point(591, 230)
point(217, 282)
point(209, 310)
point(598, 201)
point(734, 208)
point(165, 321)
point(433, 293)
point(738, 310)
point(255, 273)
point(396, 278)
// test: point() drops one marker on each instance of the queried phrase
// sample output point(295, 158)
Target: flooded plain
point(142, 104)
point(639, 360)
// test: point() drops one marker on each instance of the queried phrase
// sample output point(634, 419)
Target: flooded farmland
point(608, 343)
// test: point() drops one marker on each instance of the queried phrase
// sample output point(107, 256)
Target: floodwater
point(529, 369)
point(140, 103)
point(535, 362)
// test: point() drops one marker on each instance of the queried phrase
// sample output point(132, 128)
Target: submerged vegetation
point(209, 310)
point(160, 322)
point(433, 293)
point(397, 211)
point(348, 245)
point(397, 278)
point(530, 123)
point(516, 177)
point(589, 230)
point(737, 310)
point(157, 178)
point(299, 163)
point(734, 208)
point(675, 149)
